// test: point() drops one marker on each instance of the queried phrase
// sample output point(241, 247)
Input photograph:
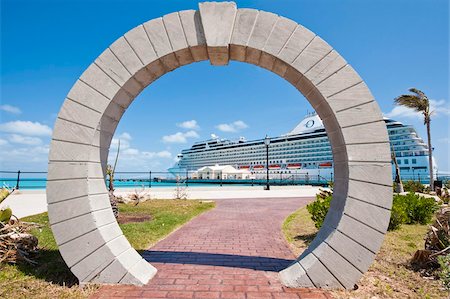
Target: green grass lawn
point(389, 276)
point(52, 278)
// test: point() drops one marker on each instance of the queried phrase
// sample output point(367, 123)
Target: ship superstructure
point(304, 150)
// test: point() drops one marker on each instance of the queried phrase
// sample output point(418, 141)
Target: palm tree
point(420, 103)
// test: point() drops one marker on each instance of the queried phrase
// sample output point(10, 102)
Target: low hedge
point(408, 209)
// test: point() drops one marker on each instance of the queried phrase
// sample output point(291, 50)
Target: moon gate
point(88, 236)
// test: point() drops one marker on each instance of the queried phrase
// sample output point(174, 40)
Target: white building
point(221, 172)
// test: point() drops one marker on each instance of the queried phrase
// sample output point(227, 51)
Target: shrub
point(319, 208)
point(398, 214)
point(409, 209)
point(413, 186)
point(418, 208)
point(444, 272)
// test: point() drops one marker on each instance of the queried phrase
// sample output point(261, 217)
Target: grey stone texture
point(89, 238)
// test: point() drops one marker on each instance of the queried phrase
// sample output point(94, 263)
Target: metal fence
point(126, 179)
point(148, 179)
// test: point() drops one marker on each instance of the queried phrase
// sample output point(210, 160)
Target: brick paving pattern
point(233, 251)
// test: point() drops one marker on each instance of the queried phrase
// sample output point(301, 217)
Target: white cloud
point(3, 142)
point(161, 154)
point(10, 109)
point(438, 108)
point(27, 128)
point(232, 127)
point(131, 158)
point(180, 137)
point(125, 136)
point(189, 124)
point(27, 140)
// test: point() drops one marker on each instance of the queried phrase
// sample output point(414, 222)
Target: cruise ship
point(305, 150)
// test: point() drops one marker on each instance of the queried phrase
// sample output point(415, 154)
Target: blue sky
point(46, 45)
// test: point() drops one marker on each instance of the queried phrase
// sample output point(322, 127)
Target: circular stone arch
point(88, 236)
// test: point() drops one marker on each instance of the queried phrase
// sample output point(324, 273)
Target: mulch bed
point(133, 218)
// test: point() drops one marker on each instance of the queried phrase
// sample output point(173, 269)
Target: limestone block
point(71, 208)
point(126, 55)
point(361, 233)
point(77, 249)
point(368, 112)
point(311, 55)
point(68, 151)
point(62, 189)
point(133, 87)
point(292, 75)
point(296, 44)
point(195, 37)
point(366, 133)
point(122, 98)
point(102, 139)
point(112, 66)
point(75, 227)
point(92, 268)
point(380, 195)
point(86, 96)
point(178, 40)
point(283, 29)
point(158, 37)
point(376, 152)
point(295, 276)
point(326, 68)
point(339, 82)
point(353, 96)
point(95, 77)
point(73, 132)
point(114, 111)
point(280, 67)
point(340, 268)
point(108, 124)
point(67, 170)
point(138, 40)
point(358, 255)
point(260, 33)
point(266, 61)
point(139, 274)
point(118, 268)
point(96, 186)
point(95, 170)
point(378, 173)
point(78, 113)
point(217, 20)
point(243, 25)
point(319, 275)
point(373, 216)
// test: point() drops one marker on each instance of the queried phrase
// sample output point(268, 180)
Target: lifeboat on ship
point(258, 167)
point(294, 166)
point(275, 166)
point(326, 164)
point(244, 167)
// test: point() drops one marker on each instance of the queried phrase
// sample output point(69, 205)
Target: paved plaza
point(232, 251)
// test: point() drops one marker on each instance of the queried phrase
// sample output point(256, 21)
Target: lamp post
point(267, 142)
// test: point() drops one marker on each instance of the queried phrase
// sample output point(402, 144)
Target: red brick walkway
point(233, 251)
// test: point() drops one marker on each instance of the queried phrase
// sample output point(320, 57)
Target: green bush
point(444, 272)
point(413, 186)
point(319, 208)
point(418, 208)
point(398, 214)
point(409, 209)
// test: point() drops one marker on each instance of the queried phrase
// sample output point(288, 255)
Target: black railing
point(148, 179)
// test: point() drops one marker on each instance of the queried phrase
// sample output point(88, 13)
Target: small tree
point(110, 171)
point(398, 180)
point(420, 103)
